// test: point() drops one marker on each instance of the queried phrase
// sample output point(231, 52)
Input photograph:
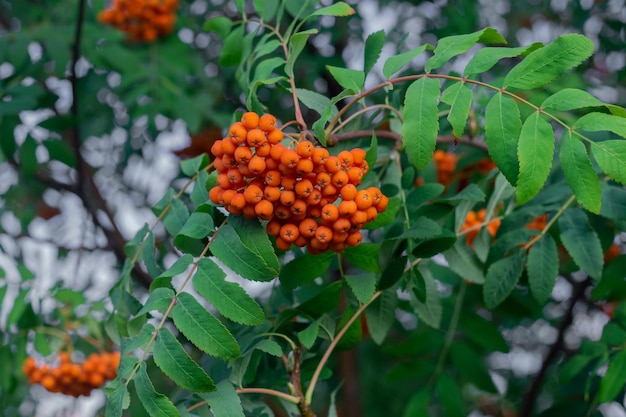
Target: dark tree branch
point(529, 400)
point(87, 189)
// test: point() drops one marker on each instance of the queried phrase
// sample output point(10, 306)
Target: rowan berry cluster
point(445, 163)
point(72, 378)
point(142, 20)
point(538, 223)
point(309, 197)
point(473, 224)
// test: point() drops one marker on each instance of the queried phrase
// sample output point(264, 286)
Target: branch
point(530, 398)
point(387, 134)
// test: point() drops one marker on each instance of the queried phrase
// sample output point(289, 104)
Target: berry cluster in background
point(307, 196)
point(142, 20)
point(71, 378)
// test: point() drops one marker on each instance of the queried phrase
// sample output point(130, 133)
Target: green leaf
point(228, 298)
point(397, 62)
point(502, 276)
point(362, 285)
point(176, 217)
point(483, 332)
point(486, 58)
point(423, 228)
point(392, 272)
point(503, 125)
point(459, 97)
point(117, 398)
point(451, 46)
point(147, 255)
point(535, 151)
point(348, 78)
point(543, 267)
point(612, 382)
point(550, 62)
point(307, 336)
point(159, 299)
point(304, 269)
point(430, 310)
point(337, 9)
point(471, 366)
point(381, 314)
point(297, 42)
point(203, 329)
point(220, 25)
point(175, 362)
point(464, 263)
point(232, 49)
point(197, 226)
point(373, 47)
point(386, 217)
point(316, 101)
point(352, 337)
point(18, 308)
point(371, 156)
point(364, 256)
point(418, 404)
point(266, 8)
point(421, 122)
point(157, 405)
point(613, 202)
point(570, 99)
point(581, 241)
point(610, 156)
point(192, 166)
point(602, 122)
point(470, 193)
point(327, 300)
point(254, 237)
point(59, 150)
point(224, 402)
point(270, 347)
point(450, 396)
point(228, 248)
point(579, 173)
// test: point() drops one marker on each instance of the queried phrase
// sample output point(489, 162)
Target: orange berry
point(238, 132)
point(305, 148)
point(253, 194)
point(354, 238)
point(337, 246)
point(289, 232)
point(359, 218)
point(372, 214)
point(256, 137)
point(304, 166)
point(382, 204)
point(272, 178)
point(320, 156)
point(358, 156)
point(348, 192)
point(314, 197)
point(339, 179)
point(298, 207)
point(250, 120)
point(223, 181)
point(49, 383)
point(288, 183)
point(273, 228)
point(229, 161)
point(303, 188)
point(216, 148)
point(264, 210)
point(363, 200)
point(282, 244)
point(330, 212)
point(347, 208)
point(219, 165)
point(263, 149)
point(355, 175)
point(282, 212)
point(238, 201)
point(267, 122)
point(257, 165)
point(333, 164)
point(248, 211)
point(287, 197)
point(324, 234)
point(316, 246)
point(346, 159)
point(228, 146)
point(342, 225)
point(243, 154)
point(277, 151)
point(308, 227)
point(314, 212)
point(234, 176)
point(323, 179)
point(290, 158)
point(275, 136)
point(271, 193)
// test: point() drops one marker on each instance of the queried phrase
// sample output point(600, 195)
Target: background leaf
point(503, 125)
point(203, 329)
point(175, 362)
point(373, 47)
point(459, 97)
point(579, 172)
point(452, 46)
point(613, 381)
point(535, 151)
point(502, 276)
point(581, 241)
point(609, 155)
point(304, 269)
point(224, 402)
point(421, 122)
point(543, 267)
point(157, 405)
